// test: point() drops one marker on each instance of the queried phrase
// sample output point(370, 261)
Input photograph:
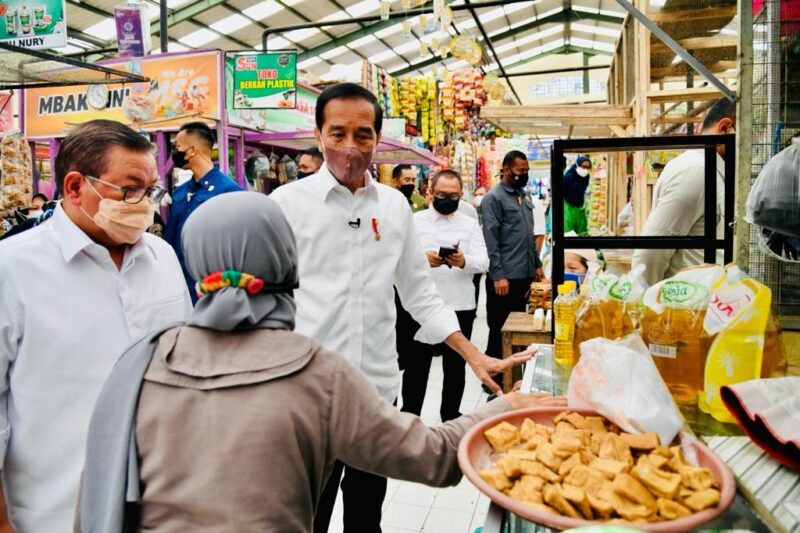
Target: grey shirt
point(508, 229)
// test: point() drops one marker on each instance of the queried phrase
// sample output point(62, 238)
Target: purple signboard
point(130, 37)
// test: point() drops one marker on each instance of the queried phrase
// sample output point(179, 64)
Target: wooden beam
point(685, 15)
point(677, 120)
point(697, 43)
point(616, 130)
point(680, 70)
point(554, 112)
point(681, 95)
point(569, 132)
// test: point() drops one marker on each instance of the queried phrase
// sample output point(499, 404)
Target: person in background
point(539, 222)
point(404, 179)
point(105, 283)
point(678, 201)
point(445, 226)
point(356, 240)
point(309, 162)
point(243, 355)
point(37, 205)
point(514, 263)
point(192, 151)
point(576, 181)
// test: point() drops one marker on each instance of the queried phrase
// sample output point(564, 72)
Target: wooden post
point(641, 112)
point(744, 133)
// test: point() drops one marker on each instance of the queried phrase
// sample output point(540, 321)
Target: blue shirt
point(185, 199)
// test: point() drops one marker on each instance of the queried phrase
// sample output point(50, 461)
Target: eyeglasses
point(134, 195)
point(442, 196)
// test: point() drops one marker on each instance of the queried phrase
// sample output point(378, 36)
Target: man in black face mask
point(309, 162)
point(404, 179)
point(507, 212)
point(455, 250)
point(192, 151)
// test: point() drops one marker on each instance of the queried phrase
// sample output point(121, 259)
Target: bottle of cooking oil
point(564, 309)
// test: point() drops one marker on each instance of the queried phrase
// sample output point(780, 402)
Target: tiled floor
point(413, 507)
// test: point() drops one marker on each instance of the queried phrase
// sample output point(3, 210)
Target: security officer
point(192, 151)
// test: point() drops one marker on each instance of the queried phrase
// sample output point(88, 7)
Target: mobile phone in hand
point(446, 251)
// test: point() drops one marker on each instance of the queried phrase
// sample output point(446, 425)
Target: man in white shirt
point(679, 201)
point(443, 229)
point(355, 241)
point(75, 292)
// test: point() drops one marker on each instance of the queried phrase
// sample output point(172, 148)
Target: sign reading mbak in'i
point(33, 24)
point(265, 81)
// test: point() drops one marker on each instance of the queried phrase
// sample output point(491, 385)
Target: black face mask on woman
point(445, 206)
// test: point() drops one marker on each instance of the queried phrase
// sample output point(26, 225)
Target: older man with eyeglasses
point(74, 293)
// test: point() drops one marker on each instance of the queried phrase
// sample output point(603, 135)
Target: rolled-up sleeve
point(10, 334)
point(492, 213)
point(674, 213)
point(476, 259)
point(417, 290)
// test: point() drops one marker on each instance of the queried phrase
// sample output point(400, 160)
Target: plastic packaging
point(564, 308)
point(619, 380)
point(774, 199)
point(736, 322)
point(609, 306)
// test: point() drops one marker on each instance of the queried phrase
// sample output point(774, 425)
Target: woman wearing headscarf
point(576, 181)
point(232, 422)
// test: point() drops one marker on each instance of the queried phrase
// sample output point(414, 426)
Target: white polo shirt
point(66, 314)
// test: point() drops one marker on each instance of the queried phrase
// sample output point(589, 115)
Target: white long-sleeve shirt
point(455, 285)
point(66, 314)
point(679, 210)
point(345, 299)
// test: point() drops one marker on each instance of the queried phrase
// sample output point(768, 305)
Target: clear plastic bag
point(774, 200)
point(619, 380)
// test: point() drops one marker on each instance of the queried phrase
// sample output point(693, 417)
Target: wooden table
point(518, 333)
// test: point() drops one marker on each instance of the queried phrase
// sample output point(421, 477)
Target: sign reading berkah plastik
point(265, 81)
point(34, 24)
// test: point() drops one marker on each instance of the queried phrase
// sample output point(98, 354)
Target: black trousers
point(497, 310)
point(405, 329)
point(362, 498)
point(418, 366)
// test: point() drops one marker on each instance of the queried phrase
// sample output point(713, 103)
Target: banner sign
point(182, 87)
point(34, 24)
point(265, 81)
point(131, 39)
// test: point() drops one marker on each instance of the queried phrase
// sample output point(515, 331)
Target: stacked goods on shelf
point(426, 90)
point(16, 183)
point(464, 157)
point(384, 87)
point(408, 100)
point(598, 201)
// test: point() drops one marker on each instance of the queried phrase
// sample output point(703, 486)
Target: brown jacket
point(239, 431)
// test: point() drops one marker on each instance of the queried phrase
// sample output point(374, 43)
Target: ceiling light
point(457, 65)
point(301, 35)
point(466, 24)
point(310, 62)
point(77, 42)
point(597, 30)
point(229, 24)
point(105, 29)
point(199, 37)
point(362, 8)
point(278, 43)
point(330, 54)
point(362, 41)
point(391, 30)
point(176, 47)
point(262, 9)
point(383, 56)
point(407, 47)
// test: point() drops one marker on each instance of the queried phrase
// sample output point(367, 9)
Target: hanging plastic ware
point(423, 49)
point(386, 9)
point(446, 17)
point(774, 200)
point(466, 49)
point(406, 29)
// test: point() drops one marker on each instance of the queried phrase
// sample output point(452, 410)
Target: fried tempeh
point(645, 442)
point(671, 510)
point(502, 436)
point(662, 484)
point(496, 478)
point(554, 498)
point(625, 485)
point(702, 499)
point(609, 467)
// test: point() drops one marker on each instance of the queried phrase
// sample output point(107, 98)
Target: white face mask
point(582, 172)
